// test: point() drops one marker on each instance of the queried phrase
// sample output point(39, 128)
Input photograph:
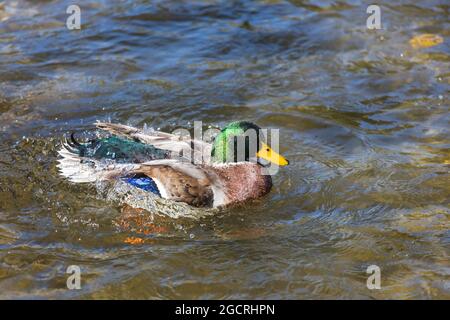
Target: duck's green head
point(241, 141)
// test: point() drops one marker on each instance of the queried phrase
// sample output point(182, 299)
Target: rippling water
point(364, 121)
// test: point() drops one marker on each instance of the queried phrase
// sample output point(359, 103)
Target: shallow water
point(364, 120)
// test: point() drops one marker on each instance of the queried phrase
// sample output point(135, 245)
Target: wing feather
point(183, 146)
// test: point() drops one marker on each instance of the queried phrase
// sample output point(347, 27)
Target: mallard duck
point(151, 161)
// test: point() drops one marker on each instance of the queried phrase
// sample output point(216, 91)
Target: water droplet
point(192, 236)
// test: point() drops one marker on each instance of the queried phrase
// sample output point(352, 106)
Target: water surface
point(364, 120)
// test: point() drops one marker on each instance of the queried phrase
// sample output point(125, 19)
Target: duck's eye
point(267, 149)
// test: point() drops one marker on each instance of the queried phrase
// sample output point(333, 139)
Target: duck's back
point(118, 149)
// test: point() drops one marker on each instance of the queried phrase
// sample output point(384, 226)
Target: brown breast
point(242, 181)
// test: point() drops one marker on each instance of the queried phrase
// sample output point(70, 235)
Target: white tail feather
point(80, 170)
point(74, 168)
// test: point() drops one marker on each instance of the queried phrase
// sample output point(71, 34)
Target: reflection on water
point(364, 119)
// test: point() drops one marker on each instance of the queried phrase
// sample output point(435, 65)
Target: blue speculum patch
point(144, 183)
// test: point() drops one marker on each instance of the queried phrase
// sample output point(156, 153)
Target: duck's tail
point(80, 169)
point(74, 167)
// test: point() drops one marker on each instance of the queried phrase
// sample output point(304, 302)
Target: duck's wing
point(171, 179)
point(180, 181)
point(183, 146)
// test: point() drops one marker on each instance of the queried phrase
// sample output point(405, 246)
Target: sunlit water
point(364, 120)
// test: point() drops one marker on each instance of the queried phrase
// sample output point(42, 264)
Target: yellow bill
point(268, 154)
